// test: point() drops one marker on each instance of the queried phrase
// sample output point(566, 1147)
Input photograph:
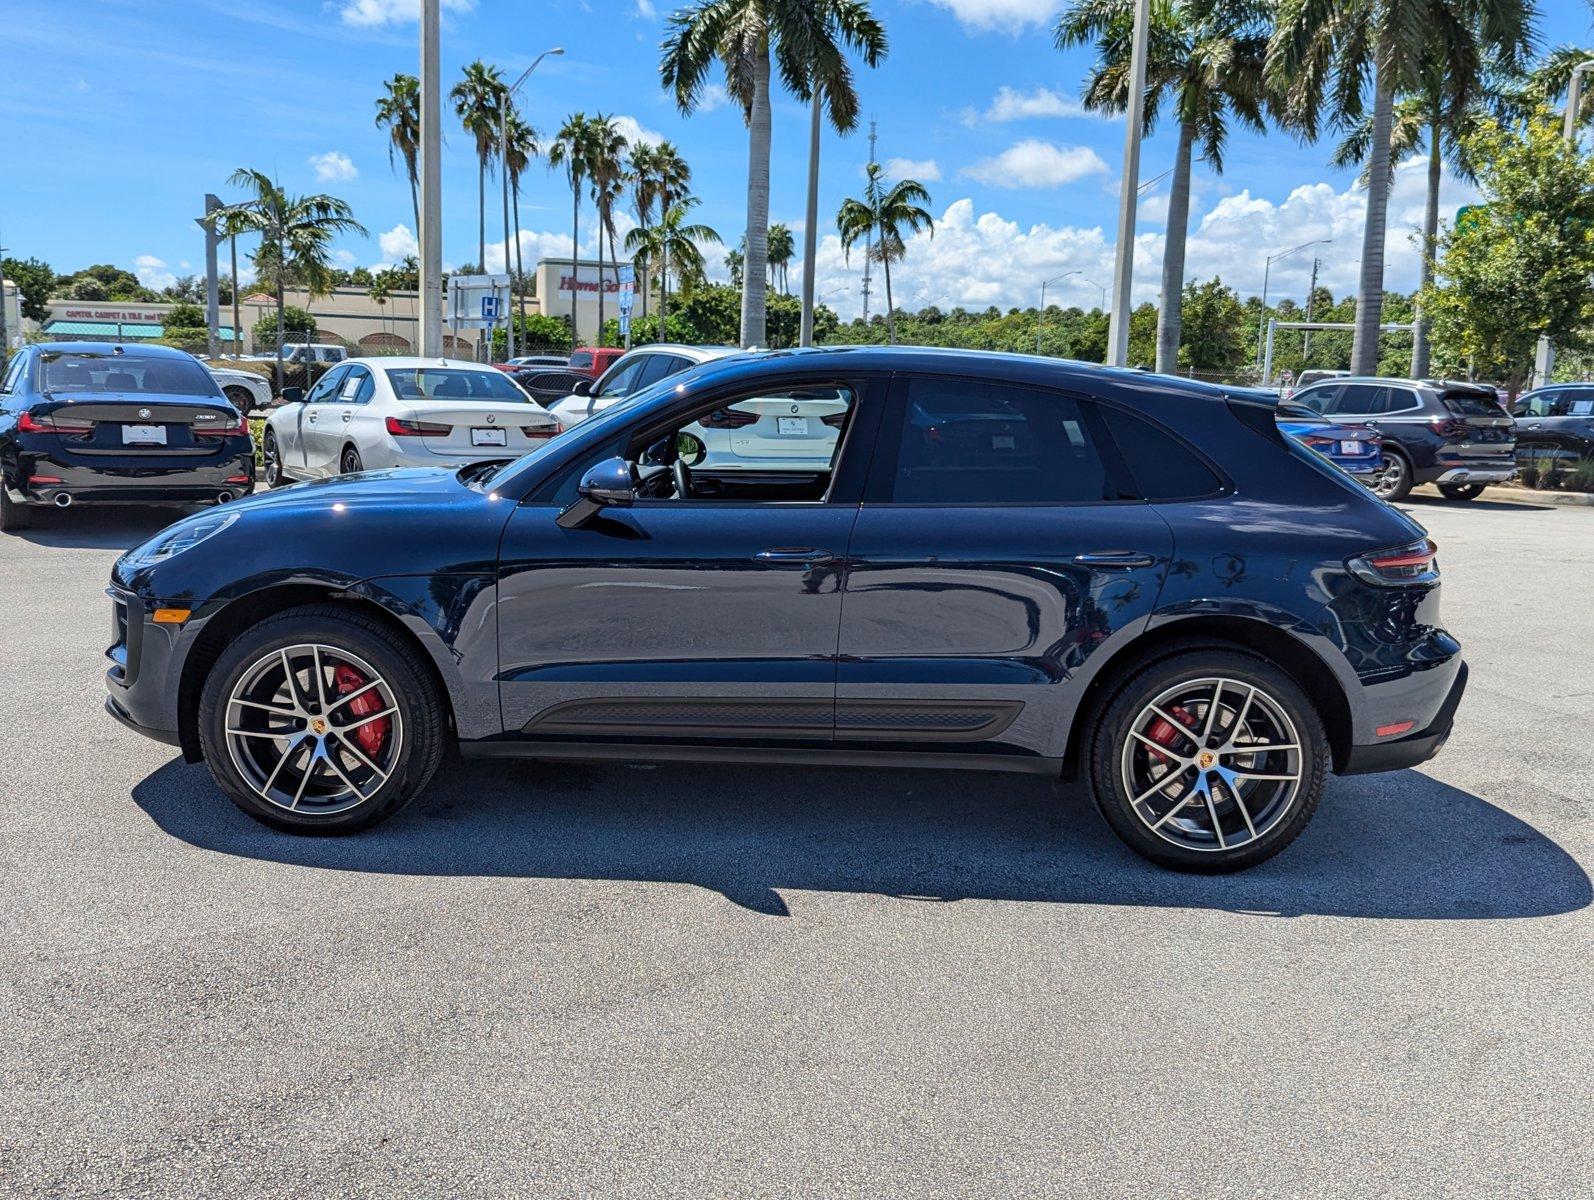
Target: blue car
point(1005, 563)
point(1356, 449)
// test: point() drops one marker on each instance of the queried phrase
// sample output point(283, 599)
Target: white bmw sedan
point(373, 413)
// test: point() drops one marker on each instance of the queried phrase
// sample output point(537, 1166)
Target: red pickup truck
point(593, 361)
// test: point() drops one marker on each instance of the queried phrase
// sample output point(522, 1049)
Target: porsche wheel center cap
point(1205, 759)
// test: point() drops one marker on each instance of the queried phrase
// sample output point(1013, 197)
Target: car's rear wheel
point(1208, 761)
point(13, 516)
point(1461, 491)
point(242, 398)
point(1393, 482)
point(319, 720)
point(350, 463)
point(271, 454)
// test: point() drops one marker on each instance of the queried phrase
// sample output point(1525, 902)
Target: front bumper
point(1400, 753)
point(146, 661)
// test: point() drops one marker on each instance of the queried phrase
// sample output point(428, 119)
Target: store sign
point(155, 316)
point(568, 283)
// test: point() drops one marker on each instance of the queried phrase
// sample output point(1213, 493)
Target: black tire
point(1105, 773)
point(13, 516)
point(1394, 481)
point(349, 463)
point(1461, 491)
point(421, 719)
point(242, 398)
point(271, 453)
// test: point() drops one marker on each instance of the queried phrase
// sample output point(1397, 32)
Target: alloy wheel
point(1212, 764)
point(1389, 479)
point(270, 461)
point(313, 729)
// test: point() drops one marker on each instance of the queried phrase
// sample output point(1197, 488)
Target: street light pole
point(1040, 314)
point(1267, 269)
point(1544, 355)
point(503, 172)
point(431, 231)
point(1128, 195)
point(805, 335)
point(1101, 287)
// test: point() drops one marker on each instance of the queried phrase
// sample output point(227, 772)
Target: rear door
point(996, 552)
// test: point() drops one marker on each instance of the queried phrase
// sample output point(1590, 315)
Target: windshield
point(446, 383)
point(124, 374)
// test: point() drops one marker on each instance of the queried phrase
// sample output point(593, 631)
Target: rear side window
point(1163, 467)
point(966, 442)
point(1323, 400)
point(655, 368)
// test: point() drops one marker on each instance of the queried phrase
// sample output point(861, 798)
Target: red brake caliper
point(1161, 731)
point(372, 734)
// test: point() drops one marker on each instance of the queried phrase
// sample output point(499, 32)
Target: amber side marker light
point(171, 616)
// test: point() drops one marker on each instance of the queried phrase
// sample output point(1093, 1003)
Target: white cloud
point(646, 10)
point(925, 170)
point(634, 131)
point(1034, 163)
point(152, 272)
point(1011, 105)
point(344, 258)
point(333, 167)
point(82, 85)
point(393, 12)
point(397, 244)
point(714, 96)
point(1000, 16)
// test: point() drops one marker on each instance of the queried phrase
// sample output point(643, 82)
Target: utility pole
point(1544, 358)
point(805, 335)
point(212, 290)
point(1128, 195)
point(868, 241)
point(431, 230)
point(5, 341)
point(1306, 335)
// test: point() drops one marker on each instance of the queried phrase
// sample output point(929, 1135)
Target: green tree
point(808, 41)
point(1320, 59)
point(781, 251)
point(296, 235)
point(571, 149)
point(673, 240)
point(1215, 333)
point(293, 320)
point(1517, 267)
point(1205, 60)
point(398, 110)
point(881, 215)
point(606, 167)
point(674, 179)
point(35, 282)
point(185, 315)
point(478, 99)
point(521, 140)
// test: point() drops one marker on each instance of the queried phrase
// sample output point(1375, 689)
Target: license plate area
point(1354, 447)
point(481, 436)
point(791, 426)
point(143, 435)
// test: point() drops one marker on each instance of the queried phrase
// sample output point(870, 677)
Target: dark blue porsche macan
point(870, 557)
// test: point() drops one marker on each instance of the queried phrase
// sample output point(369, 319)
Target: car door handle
point(310, 419)
point(1533, 425)
point(793, 557)
point(1114, 558)
point(348, 416)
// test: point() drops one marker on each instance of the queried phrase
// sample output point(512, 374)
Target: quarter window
point(1163, 467)
point(14, 374)
point(965, 442)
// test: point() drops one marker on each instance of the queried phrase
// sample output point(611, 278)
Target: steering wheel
point(683, 479)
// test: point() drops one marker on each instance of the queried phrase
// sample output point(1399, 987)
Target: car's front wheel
point(320, 720)
point(1208, 761)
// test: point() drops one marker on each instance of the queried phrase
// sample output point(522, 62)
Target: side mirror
point(583, 387)
point(610, 484)
point(689, 448)
point(292, 395)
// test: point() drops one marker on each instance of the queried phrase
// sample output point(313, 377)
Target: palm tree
point(880, 217)
point(1204, 58)
point(380, 290)
point(642, 175)
point(296, 235)
point(807, 40)
point(674, 177)
point(521, 140)
point(606, 166)
point(672, 239)
point(781, 249)
point(1319, 61)
point(399, 112)
point(572, 150)
point(477, 99)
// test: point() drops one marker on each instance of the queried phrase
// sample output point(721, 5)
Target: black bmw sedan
point(880, 558)
point(89, 422)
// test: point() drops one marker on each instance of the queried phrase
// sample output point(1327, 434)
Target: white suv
point(631, 373)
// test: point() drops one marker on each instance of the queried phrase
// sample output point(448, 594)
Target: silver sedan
point(372, 413)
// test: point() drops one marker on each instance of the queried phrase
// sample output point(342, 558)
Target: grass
point(1546, 474)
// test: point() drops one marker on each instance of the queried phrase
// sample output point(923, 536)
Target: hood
point(394, 490)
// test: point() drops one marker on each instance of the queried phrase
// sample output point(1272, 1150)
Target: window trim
point(888, 444)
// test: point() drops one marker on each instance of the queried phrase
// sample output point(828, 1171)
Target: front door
point(704, 615)
point(307, 458)
point(328, 424)
point(992, 558)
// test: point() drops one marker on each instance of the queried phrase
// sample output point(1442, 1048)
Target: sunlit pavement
point(610, 980)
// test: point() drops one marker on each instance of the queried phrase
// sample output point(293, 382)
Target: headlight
point(183, 536)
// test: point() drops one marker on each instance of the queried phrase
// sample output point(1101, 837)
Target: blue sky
point(115, 122)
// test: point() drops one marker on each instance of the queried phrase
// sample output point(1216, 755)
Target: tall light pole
point(1128, 195)
point(503, 172)
point(5, 344)
point(431, 231)
point(1544, 355)
point(1101, 287)
point(212, 238)
point(1040, 314)
point(805, 335)
point(1261, 325)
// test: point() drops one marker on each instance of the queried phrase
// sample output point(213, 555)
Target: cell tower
point(868, 244)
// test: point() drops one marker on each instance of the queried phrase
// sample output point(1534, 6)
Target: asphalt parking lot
point(630, 981)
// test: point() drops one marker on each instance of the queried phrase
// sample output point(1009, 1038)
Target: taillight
point(728, 418)
point(1448, 427)
point(537, 431)
point(835, 420)
point(400, 428)
point(1400, 566)
point(236, 430)
point(52, 423)
point(1322, 444)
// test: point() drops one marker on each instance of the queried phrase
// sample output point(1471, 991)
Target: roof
point(144, 349)
point(129, 330)
point(412, 361)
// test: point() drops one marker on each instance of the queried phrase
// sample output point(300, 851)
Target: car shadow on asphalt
point(1401, 845)
point(92, 527)
point(1480, 504)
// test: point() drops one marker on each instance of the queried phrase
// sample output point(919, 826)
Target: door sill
point(828, 756)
